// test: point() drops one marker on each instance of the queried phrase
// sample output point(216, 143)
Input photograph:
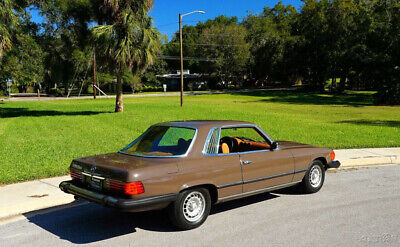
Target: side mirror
point(274, 145)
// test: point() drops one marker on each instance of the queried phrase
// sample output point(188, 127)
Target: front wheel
point(314, 178)
point(191, 208)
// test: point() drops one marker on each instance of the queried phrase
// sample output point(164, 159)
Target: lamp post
point(181, 46)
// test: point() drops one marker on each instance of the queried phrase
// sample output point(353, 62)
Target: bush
point(388, 95)
point(56, 92)
point(150, 88)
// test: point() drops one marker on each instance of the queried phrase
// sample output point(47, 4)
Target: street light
point(181, 46)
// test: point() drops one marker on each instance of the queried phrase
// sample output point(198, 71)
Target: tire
point(314, 178)
point(187, 212)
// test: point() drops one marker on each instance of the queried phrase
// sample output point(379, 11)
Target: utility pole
point(94, 71)
point(181, 46)
point(181, 51)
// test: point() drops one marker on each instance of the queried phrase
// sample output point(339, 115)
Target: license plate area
point(94, 182)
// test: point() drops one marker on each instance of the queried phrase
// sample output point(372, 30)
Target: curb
point(347, 168)
point(369, 161)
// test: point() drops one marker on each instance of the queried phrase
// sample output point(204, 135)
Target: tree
point(272, 42)
point(127, 41)
point(226, 44)
point(313, 27)
point(158, 68)
point(24, 63)
point(384, 44)
point(8, 20)
point(191, 38)
point(65, 34)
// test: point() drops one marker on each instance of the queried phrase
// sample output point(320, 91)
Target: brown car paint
point(225, 173)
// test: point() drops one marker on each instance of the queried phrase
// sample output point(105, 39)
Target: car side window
point(212, 142)
point(241, 139)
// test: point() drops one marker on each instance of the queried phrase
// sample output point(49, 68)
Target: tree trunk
point(342, 84)
point(134, 82)
point(333, 84)
point(119, 104)
point(320, 82)
point(22, 88)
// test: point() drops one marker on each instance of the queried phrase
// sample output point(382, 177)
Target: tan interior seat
point(225, 148)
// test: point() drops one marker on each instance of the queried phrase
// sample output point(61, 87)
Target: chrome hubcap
point(315, 176)
point(194, 206)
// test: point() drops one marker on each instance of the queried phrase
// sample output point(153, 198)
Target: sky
point(165, 12)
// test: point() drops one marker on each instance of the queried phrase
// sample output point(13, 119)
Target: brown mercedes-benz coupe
point(186, 166)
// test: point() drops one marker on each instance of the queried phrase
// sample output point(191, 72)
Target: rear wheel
point(191, 208)
point(314, 178)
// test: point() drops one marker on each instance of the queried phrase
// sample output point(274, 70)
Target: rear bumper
point(115, 202)
point(334, 164)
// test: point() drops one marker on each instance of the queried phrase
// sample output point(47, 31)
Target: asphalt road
point(354, 208)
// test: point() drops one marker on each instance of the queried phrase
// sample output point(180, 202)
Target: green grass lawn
point(39, 139)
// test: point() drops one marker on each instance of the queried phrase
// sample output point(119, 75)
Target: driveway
point(354, 208)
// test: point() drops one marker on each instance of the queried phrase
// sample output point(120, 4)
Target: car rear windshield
point(162, 141)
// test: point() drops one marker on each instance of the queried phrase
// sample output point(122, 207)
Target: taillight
point(75, 174)
point(332, 155)
point(133, 188)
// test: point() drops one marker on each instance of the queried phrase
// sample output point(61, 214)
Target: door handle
point(246, 162)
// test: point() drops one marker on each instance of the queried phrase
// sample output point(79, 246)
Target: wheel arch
point(212, 189)
point(323, 160)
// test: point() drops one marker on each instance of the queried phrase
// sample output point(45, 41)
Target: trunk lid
point(118, 166)
point(110, 172)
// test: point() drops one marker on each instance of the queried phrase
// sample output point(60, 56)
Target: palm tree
point(8, 20)
point(127, 41)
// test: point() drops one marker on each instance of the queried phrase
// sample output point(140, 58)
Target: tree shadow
point(90, 222)
point(381, 123)
point(25, 112)
point(298, 97)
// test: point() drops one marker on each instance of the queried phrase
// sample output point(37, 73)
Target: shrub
point(56, 92)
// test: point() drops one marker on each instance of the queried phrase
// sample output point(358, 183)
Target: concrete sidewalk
point(32, 195)
point(21, 198)
point(351, 158)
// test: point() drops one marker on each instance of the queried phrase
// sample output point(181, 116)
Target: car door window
point(241, 139)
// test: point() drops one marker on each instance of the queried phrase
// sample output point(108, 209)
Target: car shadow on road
point(219, 208)
point(293, 190)
point(89, 222)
